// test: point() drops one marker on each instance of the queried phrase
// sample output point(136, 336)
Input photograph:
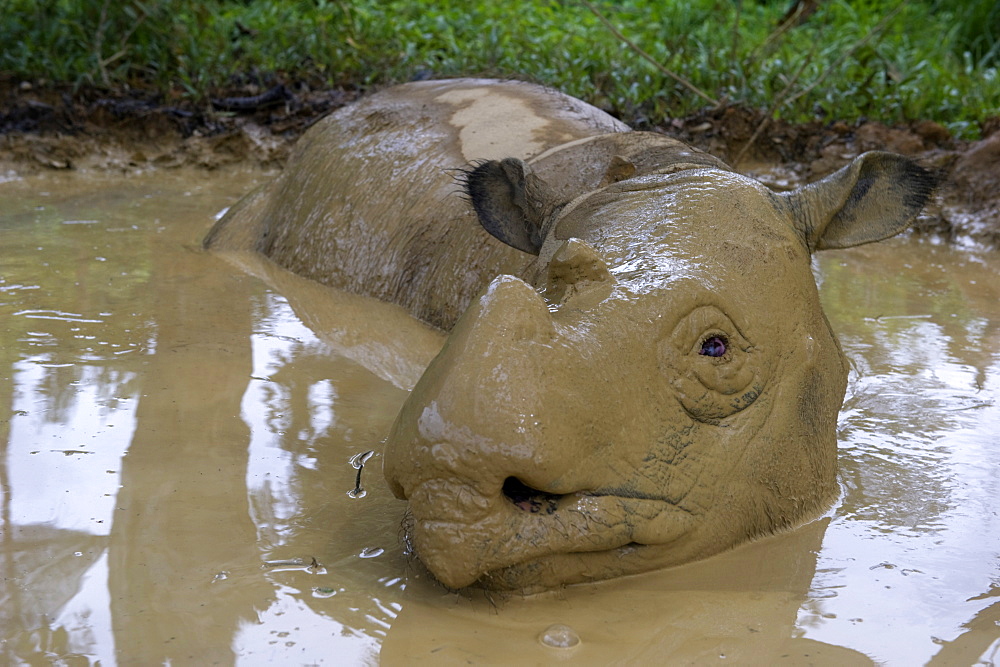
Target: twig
point(99, 42)
point(110, 59)
point(882, 25)
point(775, 35)
point(135, 26)
point(784, 98)
point(779, 100)
point(736, 32)
point(635, 47)
point(352, 28)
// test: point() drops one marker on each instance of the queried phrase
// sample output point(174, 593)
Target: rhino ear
point(874, 197)
point(512, 203)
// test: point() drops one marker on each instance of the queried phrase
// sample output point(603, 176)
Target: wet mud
point(183, 476)
point(45, 128)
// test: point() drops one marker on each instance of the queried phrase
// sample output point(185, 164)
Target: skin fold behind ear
point(876, 196)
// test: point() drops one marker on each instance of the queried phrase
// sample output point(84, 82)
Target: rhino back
point(370, 202)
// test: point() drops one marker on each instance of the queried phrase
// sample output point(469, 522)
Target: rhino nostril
point(529, 499)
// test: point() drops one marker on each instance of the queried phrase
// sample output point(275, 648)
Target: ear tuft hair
point(509, 201)
point(876, 196)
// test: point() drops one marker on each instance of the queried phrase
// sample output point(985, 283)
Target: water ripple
point(56, 315)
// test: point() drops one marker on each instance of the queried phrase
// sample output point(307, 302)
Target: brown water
point(177, 482)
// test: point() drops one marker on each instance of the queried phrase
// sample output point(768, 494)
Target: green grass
point(935, 59)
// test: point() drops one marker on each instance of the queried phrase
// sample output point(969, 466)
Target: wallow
point(638, 372)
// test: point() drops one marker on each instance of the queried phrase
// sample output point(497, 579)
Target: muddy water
point(179, 467)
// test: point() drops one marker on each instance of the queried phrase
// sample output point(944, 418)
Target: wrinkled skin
point(638, 372)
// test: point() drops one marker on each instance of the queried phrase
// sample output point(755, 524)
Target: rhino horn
point(619, 169)
point(876, 196)
point(574, 265)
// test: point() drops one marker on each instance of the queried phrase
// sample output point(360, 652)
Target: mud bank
point(45, 128)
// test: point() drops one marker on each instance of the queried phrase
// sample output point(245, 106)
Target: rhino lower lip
point(526, 525)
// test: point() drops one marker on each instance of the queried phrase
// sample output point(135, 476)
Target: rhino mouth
point(530, 539)
point(528, 499)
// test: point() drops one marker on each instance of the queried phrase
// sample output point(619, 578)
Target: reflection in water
point(918, 524)
point(180, 446)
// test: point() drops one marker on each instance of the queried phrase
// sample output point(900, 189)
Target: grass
point(882, 59)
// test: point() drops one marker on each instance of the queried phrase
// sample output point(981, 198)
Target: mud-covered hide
point(638, 371)
point(371, 199)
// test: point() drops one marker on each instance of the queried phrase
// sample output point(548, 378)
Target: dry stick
point(102, 63)
point(882, 25)
point(135, 26)
point(99, 42)
point(733, 54)
point(635, 47)
point(783, 27)
point(774, 107)
point(775, 35)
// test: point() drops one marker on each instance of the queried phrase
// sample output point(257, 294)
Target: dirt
point(48, 127)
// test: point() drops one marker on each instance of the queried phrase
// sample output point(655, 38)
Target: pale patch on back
point(493, 125)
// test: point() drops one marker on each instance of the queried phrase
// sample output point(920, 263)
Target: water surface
point(179, 467)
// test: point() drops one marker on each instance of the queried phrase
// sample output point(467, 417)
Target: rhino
point(638, 372)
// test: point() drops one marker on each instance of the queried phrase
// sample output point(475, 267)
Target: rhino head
point(667, 388)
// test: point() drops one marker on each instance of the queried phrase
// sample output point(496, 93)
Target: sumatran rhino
point(638, 372)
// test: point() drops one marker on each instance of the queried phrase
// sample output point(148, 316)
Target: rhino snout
point(497, 460)
point(489, 369)
point(479, 449)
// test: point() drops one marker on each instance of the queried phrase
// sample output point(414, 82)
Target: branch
point(632, 45)
point(779, 100)
point(784, 98)
point(882, 25)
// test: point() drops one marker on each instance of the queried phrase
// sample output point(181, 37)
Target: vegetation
point(890, 60)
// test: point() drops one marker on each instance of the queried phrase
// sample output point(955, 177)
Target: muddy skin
point(638, 372)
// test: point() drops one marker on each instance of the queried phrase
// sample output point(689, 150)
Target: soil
point(48, 127)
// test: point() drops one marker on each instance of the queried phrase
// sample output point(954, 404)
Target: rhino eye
point(713, 368)
point(713, 346)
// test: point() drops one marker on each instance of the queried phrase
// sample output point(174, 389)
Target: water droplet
point(322, 592)
point(559, 636)
point(371, 552)
point(221, 576)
